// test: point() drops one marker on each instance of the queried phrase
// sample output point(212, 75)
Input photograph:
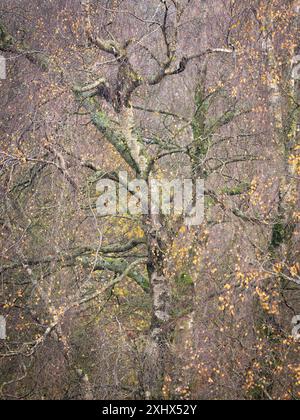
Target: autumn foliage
point(144, 307)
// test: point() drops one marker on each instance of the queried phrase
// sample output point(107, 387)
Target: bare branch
point(9, 44)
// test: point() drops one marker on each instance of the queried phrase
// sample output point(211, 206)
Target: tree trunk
point(157, 348)
point(283, 109)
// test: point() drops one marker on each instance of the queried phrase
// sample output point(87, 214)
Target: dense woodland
point(144, 307)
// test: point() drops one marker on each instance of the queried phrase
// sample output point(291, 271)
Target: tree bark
point(157, 347)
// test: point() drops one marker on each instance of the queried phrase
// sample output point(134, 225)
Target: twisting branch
point(166, 71)
point(10, 44)
point(91, 86)
point(85, 257)
point(108, 46)
point(105, 126)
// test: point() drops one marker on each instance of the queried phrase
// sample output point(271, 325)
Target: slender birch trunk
point(286, 118)
point(157, 348)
